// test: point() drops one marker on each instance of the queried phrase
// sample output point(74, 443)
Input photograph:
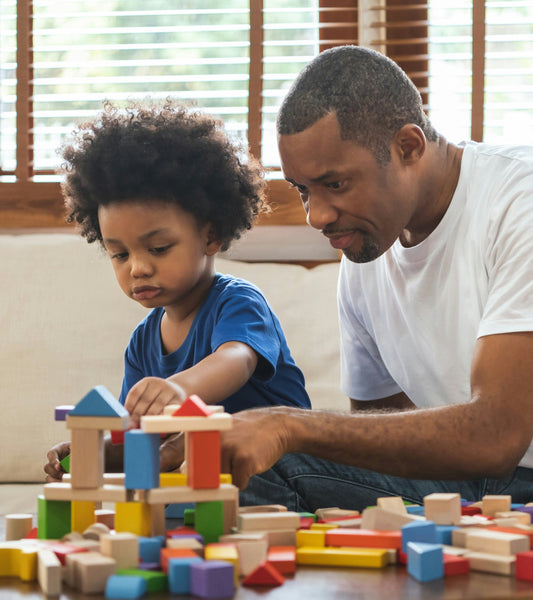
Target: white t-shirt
point(410, 319)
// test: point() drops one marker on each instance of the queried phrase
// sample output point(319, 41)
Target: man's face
point(360, 206)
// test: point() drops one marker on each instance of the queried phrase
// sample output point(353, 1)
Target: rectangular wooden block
point(267, 521)
point(106, 493)
point(364, 538)
point(491, 563)
point(101, 423)
point(342, 557)
point(86, 458)
point(166, 424)
point(443, 509)
point(496, 542)
point(49, 573)
point(203, 459)
point(179, 494)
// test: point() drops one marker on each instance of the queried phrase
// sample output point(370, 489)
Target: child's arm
point(213, 379)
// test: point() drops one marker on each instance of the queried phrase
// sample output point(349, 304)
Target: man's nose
point(320, 212)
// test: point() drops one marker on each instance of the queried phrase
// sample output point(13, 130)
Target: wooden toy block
point(283, 558)
point(425, 561)
point(169, 553)
point(455, 565)
point(156, 581)
point(193, 406)
point(444, 534)
point(172, 479)
point(96, 531)
point(524, 565)
point(158, 526)
point(385, 520)
point(61, 411)
point(62, 550)
point(262, 508)
point(342, 557)
point(18, 526)
point(87, 458)
point(323, 526)
point(523, 518)
point(252, 549)
point(280, 537)
point(325, 514)
point(496, 542)
point(171, 495)
point(363, 538)
point(470, 509)
point(123, 547)
point(264, 575)
point(125, 587)
point(209, 520)
point(133, 517)
point(490, 505)
point(212, 579)
point(268, 521)
point(81, 515)
point(53, 518)
point(519, 530)
point(65, 463)
point(101, 423)
point(224, 551)
point(203, 459)
point(89, 571)
point(393, 504)
point(443, 509)
point(99, 402)
point(186, 542)
point(491, 563)
point(49, 573)
point(105, 493)
point(109, 479)
point(419, 531)
point(165, 424)
point(311, 537)
point(105, 516)
point(141, 459)
point(179, 574)
point(150, 549)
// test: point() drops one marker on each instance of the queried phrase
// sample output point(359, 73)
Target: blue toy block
point(177, 511)
point(212, 579)
point(413, 509)
point(419, 531)
point(141, 460)
point(125, 586)
point(444, 534)
point(179, 574)
point(150, 549)
point(425, 562)
point(99, 402)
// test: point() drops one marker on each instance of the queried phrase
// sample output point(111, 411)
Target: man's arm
point(391, 403)
point(486, 437)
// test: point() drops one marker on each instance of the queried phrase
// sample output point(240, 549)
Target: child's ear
point(213, 243)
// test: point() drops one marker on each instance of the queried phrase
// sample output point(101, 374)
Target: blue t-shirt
point(234, 311)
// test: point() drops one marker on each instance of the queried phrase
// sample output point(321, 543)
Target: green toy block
point(156, 581)
point(65, 463)
point(209, 520)
point(53, 518)
point(188, 517)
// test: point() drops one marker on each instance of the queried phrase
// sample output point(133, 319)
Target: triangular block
point(194, 406)
point(264, 574)
point(99, 402)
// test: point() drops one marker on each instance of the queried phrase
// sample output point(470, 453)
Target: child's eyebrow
point(143, 237)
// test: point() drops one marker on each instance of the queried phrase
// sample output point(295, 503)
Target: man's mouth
point(339, 241)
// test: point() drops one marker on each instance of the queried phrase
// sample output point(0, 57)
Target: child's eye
point(119, 256)
point(159, 249)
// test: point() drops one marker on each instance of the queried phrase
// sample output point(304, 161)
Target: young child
point(163, 189)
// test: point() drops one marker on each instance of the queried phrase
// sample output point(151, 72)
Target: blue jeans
point(304, 483)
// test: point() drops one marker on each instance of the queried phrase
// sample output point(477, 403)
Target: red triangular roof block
point(264, 574)
point(194, 406)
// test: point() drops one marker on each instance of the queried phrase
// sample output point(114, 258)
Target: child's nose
point(140, 267)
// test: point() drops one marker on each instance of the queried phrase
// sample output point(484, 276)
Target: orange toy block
point(283, 558)
point(203, 459)
point(193, 406)
point(264, 575)
point(168, 553)
point(364, 538)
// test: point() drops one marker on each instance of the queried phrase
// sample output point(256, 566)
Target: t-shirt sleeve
point(363, 374)
point(243, 315)
point(133, 370)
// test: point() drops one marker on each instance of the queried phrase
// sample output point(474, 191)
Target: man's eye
point(335, 185)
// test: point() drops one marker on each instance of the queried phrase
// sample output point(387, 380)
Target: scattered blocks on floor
point(425, 562)
point(212, 579)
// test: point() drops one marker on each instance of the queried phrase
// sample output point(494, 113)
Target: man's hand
point(150, 395)
point(257, 440)
point(53, 469)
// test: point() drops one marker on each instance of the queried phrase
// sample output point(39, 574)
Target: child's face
point(161, 257)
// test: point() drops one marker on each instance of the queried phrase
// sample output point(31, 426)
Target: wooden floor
point(316, 583)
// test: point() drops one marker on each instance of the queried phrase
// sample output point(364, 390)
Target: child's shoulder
point(227, 283)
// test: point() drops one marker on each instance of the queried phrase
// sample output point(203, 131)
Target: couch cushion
point(65, 325)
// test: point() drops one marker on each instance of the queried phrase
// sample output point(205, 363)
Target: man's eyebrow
point(320, 178)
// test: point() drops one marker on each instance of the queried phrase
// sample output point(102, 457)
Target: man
point(435, 302)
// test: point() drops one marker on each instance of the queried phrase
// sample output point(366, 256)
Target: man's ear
point(213, 244)
point(410, 143)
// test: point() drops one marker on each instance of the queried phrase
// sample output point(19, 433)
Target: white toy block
point(268, 521)
point(165, 424)
point(496, 542)
point(49, 572)
point(393, 504)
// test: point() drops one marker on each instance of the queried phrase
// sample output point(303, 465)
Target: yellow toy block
point(17, 560)
point(81, 515)
point(172, 479)
point(225, 551)
point(133, 517)
point(323, 526)
point(225, 478)
point(342, 557)
point(315, 538)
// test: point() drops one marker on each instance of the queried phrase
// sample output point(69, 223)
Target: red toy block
point(182, 530)
point(524, 566)
point(194, 406)
point(283, 558)
point(32, 535)
point(203, 459)
point(455, 565)
point(265, 575)
point(402, 557)
point(364, 538)
point(470, 510)
point(306, 522)
point(117, 438)
point(62, 550)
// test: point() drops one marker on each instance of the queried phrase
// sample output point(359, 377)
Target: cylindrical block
point(18, 526)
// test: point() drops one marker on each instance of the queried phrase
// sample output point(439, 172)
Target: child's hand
point(54, 471)
point(150, 395)
point(172, 453)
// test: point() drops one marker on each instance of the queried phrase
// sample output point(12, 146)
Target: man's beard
point(369, 250)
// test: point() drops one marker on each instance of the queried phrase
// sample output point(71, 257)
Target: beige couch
point(65, 323)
